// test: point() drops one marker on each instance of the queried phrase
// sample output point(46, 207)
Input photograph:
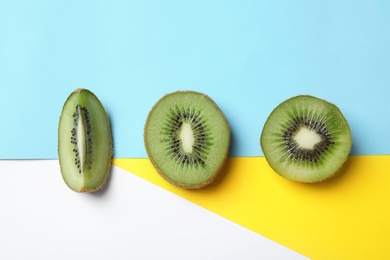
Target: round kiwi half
point(306, 139)
point(187, 138)
point(84, 142)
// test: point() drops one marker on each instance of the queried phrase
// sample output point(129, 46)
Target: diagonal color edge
point(345, 217)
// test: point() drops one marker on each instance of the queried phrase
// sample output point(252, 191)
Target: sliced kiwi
point(84, 142)
point(306, 139)
point(187, 139)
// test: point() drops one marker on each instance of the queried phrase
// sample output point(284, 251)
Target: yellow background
point(346, 217)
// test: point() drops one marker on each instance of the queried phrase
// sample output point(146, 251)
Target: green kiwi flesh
point(187, 139)
point(306, 139)
point(84, 142)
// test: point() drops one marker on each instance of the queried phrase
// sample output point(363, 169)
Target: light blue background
point(247, 55)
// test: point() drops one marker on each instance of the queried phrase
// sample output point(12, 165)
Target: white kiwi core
point(187, 137)
point(81, 138)
point(307, 138)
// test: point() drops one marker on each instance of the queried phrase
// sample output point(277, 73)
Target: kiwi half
point(187, 139)
point(306, 139)
point(84, 142)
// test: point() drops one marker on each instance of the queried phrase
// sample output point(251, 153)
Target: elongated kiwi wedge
point(306, 139)
point(187, 139)
point(84, 142)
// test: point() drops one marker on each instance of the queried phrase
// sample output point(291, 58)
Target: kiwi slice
point(306, 139)
point(187, 139)
point(84, 142)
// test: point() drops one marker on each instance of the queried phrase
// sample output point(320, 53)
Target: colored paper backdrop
point(247, 55)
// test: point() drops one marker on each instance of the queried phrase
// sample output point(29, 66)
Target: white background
point(129, 219)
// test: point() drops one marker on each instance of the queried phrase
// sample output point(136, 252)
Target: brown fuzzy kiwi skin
point(78, 90)
point(215, 175)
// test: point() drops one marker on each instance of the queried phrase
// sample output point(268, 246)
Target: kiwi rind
point(152, 141)
point(334, 153)
point(91, 175)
